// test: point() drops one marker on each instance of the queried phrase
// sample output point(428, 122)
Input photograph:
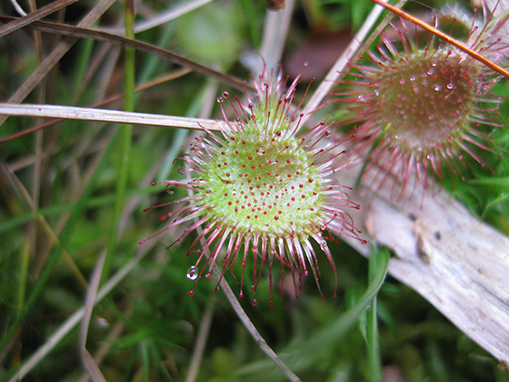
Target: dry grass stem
point(88, 362)
point(33, 16)
point(112, 116)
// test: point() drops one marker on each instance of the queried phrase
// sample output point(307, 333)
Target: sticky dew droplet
point(192, 273)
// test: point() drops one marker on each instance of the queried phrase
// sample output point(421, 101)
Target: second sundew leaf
point(421, 110)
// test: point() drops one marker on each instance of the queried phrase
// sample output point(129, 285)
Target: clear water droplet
point(437, 87)
point(434, 63)
point(192, 273)
point(424, 82)
point(450, 85)
point(377, 93)
point(412, 78)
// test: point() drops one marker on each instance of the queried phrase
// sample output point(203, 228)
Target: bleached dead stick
point(458, 263)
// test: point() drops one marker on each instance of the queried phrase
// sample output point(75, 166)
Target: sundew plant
point(421, 107)
point(183, 191)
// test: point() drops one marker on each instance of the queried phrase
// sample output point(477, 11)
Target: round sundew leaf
point(262, 190)
point(418, 111)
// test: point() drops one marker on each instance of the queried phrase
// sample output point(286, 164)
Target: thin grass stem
point(373, 356)
point(72, 321)
point(251, 328)
point(88, 362)
point(201, 341)
point(127, 131)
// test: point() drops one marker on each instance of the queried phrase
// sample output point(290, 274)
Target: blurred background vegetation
point(57, 208)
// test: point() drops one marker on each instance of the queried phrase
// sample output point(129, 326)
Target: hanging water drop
point(192, 273)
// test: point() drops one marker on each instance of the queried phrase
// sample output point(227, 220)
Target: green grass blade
point(65, 237)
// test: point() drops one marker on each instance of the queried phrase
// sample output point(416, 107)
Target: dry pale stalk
point(458, 263)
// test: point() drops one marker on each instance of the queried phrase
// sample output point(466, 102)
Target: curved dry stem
point(80, 31)
point(54, 57)
point(251, 328)
point(33, 16)
point(18, 8)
